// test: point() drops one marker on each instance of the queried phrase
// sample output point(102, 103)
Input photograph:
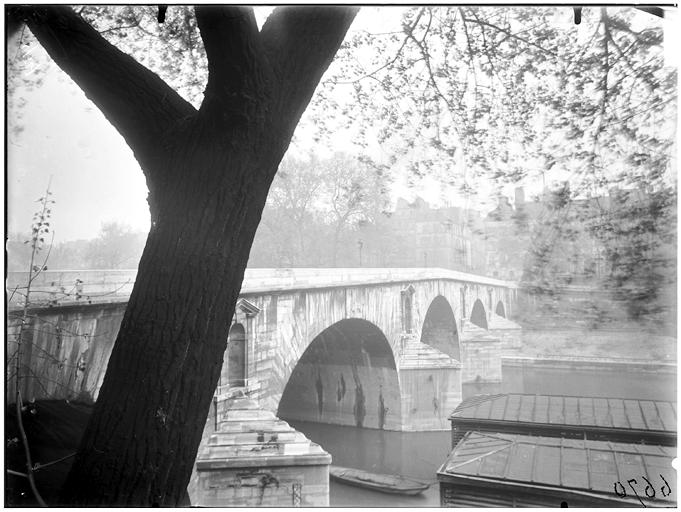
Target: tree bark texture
point(208, 173)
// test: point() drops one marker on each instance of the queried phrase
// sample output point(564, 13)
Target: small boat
point(393, 484)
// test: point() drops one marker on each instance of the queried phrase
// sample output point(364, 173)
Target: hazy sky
point(95, 178)
point(94, 175)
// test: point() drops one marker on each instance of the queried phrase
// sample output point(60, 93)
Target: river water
point(412, 454)
point(419, 454)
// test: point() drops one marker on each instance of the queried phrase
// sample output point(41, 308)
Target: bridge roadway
point(378, 348)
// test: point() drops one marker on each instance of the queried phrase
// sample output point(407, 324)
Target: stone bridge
point(378, 348)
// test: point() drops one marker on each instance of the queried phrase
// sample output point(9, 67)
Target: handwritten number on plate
point(623, 494)
point(649, 486)
point(666, 484)
point(634, 489)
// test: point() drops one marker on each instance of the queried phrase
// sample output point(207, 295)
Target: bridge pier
point(254, 459)
point(430, 385)
point(509, 332)
point(481, 351)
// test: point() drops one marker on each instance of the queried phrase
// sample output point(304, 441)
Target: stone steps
point(247, 432)
point(257, 437)
point(230, 427)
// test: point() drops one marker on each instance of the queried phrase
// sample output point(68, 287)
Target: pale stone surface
point(497, 322)
point(509, 332)
point(255, 459)
point(482, 352)
point(430, 383)
point(420, 355)
point(70, 349)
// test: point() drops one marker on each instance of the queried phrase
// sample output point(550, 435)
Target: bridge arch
point(234, 367)
point(478, 314)
point(439, 328)
point(346, 376)
point(500, 310)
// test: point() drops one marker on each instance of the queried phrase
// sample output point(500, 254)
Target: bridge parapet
point(61, 287)
point(67, 286)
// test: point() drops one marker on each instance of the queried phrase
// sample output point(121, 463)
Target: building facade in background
point(608, 258)
point(416, 235)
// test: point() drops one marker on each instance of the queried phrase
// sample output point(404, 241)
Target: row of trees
point(314, 209)
point(116, 246)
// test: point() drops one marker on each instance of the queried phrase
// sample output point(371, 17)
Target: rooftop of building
point(612, 413)
point(557, 463)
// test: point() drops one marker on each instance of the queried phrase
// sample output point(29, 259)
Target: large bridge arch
point(439, 328)
point(347, 375)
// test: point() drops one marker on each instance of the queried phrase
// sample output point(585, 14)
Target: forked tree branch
point(300, 43)
point(237, 71)
point(137, 102)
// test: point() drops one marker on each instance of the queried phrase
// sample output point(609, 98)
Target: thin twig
point(49, 250)
point(122, 27)
point(391, 61)
point(43, 377)
point(27, 452)
point(62, 459)
point(510, 34)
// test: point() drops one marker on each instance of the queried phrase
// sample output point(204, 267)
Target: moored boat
point(394, 484)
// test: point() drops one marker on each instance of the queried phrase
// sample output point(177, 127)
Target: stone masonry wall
point(481, 361)
point(428, 397)
point(281, 486)
point(66, 350)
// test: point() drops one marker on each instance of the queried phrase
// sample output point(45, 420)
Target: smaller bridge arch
point(500, 309)
point(439, 328)
point(478, 314)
